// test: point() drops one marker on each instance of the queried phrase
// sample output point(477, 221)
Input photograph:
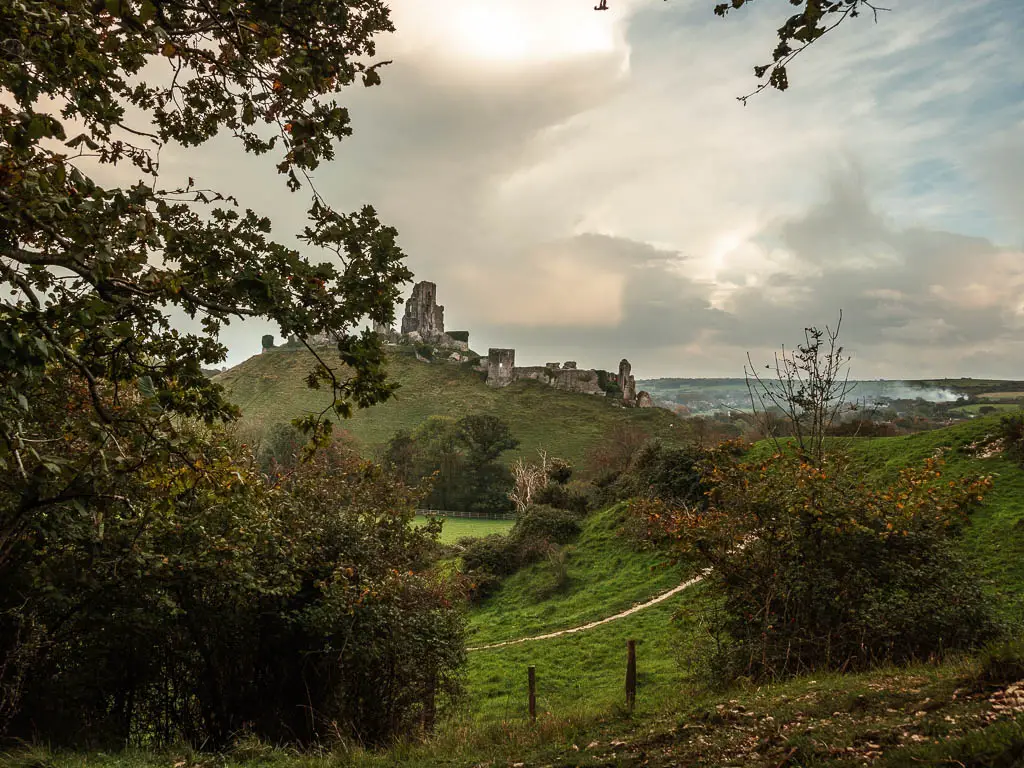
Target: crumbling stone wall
point(423, 321)
point(627, 383)
point(569, 379)
point(500, 366)
point(423, 316)
point(502, 371)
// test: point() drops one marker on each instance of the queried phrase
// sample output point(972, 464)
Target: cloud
point(915, 300)
point(585, 185)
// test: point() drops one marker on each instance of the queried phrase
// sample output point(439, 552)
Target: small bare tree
point(808, 386)
point(529, 478)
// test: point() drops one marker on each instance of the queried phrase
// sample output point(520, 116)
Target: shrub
point(1011, 430)
point(815, 569)
point(537, 532)
point(559, 471)
point(543, 523)
point(1001, 662)
point(572, 498)
point(496, 554)
point(218, 602)
point(669, 473)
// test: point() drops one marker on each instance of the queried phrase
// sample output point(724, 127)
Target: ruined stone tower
point(422, 314)
point(627, 383)
point(500, 363)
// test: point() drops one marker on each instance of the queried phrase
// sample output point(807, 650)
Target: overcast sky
point(585, 185)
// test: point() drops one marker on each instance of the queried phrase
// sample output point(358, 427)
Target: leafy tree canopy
point(90, 273)
point(811, 21)
point(485, 437)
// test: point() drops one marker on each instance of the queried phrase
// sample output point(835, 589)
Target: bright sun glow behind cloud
point(506, 34)
point(511, 34)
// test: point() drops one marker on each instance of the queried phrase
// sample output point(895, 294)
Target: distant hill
point(703, 396)
point(270, 388)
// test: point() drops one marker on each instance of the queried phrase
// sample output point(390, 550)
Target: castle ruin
point(627, 382)
point(501, 371)
point(501, 364)
point(423, 321)
point(423, 315)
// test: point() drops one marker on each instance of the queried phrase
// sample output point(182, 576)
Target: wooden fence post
point(532, 673)
point(630, 674)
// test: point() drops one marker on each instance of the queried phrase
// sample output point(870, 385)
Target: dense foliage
point(91, 274)
point(666, 472)
point(460, 458)
point(543, 526)
point(216, 602)
point(1011, 432)
point(153, 583)
point(817, 569)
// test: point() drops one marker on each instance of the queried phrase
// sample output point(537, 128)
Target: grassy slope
point(924, 715)
point(995, 536)
point(579, 673)
point(606, 575)
point(271, 388)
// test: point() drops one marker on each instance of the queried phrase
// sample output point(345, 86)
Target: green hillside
point(995, 536)
point(578, 673)
point(605, 574)
point(271, 388)
point(932, 713)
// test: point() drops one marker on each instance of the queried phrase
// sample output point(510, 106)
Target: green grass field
point(974, 409)
point(456, 528)
point(271, 388)
point(583, 674)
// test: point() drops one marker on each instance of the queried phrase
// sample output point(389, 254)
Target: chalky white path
point(635, 609)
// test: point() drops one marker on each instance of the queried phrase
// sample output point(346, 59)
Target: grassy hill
point(271, 388)
point(828, 718)
point(605, 574)
point(578, 673)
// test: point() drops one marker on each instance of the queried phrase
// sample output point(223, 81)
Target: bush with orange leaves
point(814, 568)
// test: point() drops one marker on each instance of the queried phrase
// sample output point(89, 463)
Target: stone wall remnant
point(500, 366)
point(627, 383)
point(422, 313)
point(643, 400)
